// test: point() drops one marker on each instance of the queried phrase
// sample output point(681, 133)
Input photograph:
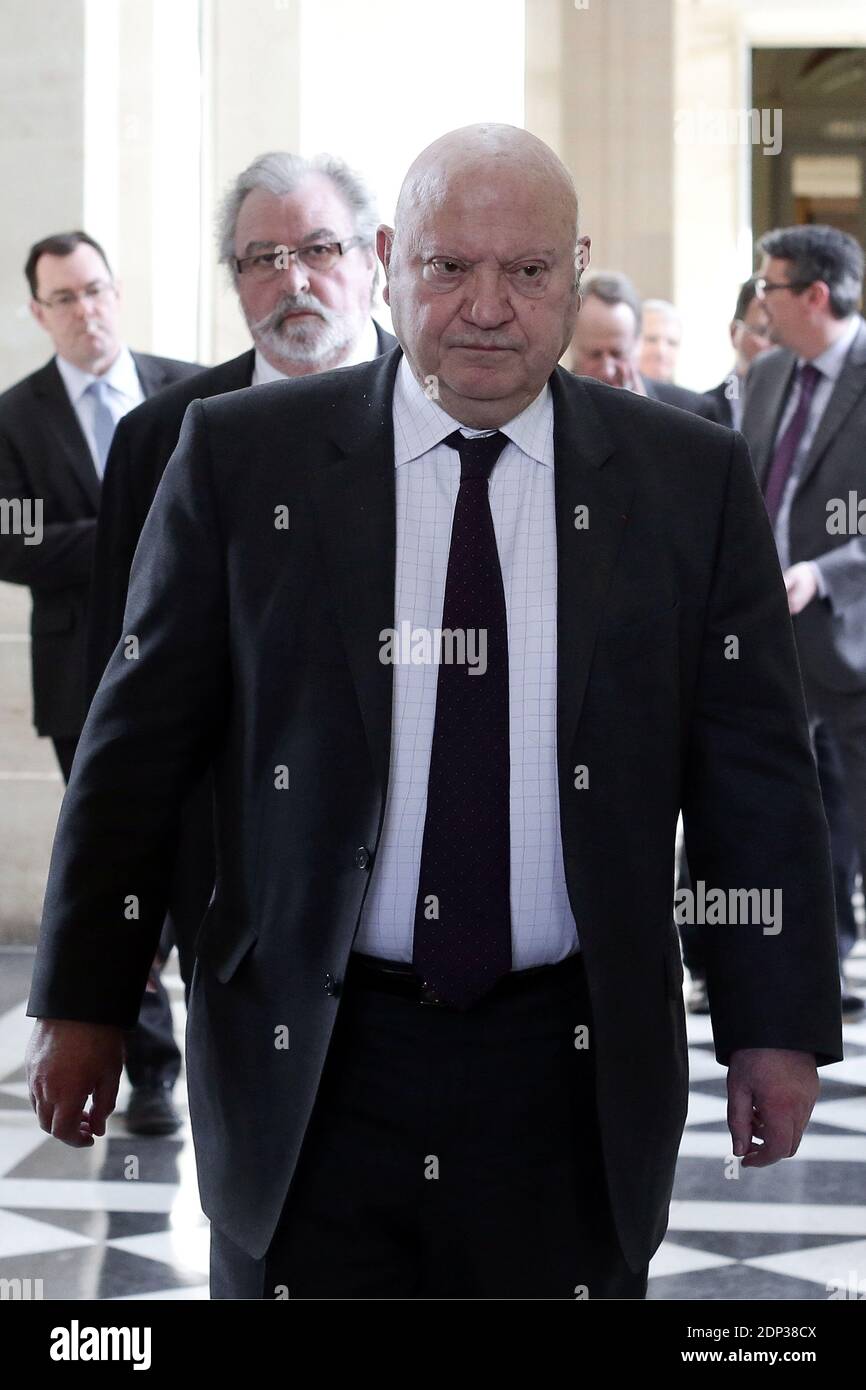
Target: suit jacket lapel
point(850, 385)
point(585, 556)
point(385, 341)
point(151, 374)
point(61, 422)
point(353, 497)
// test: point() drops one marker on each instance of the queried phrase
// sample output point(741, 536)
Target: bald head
point(481, 269)
point(486, 159)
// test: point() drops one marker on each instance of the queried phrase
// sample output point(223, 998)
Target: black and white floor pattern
point(122, 1220)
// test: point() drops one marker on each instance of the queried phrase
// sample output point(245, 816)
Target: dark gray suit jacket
point(830, 632)
point(260, 646)
point(680, 396)
point(44, 454)
point(143, 443)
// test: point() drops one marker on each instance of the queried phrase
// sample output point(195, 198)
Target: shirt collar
point(831, 361)
point(364, 350)
point(531, 430)
point(121, 376)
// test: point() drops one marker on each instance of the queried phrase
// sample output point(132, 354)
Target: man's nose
point(295, 277)
point(488, 300)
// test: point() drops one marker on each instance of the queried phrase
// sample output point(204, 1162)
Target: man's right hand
point(67, 1063)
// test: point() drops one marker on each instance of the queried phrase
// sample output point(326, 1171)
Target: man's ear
point(38, 313)
point(384, 247)
point(818, 295)
point(581, 255)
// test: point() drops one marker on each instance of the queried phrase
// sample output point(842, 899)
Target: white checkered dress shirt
point(427, 480)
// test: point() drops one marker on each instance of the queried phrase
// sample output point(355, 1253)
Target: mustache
point(290, 304)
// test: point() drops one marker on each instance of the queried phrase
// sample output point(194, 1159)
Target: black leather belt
point(397, 977)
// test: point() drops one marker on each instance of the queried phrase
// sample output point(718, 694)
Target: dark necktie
point(462, 942)
point(786, 449)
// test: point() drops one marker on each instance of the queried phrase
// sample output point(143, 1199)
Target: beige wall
point(41, 154)
point(608, 84)
point(42, 161)
point(599, 88)
point(251, 104)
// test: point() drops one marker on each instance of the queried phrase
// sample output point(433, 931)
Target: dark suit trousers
point(152, 1055)
point(449, 1155)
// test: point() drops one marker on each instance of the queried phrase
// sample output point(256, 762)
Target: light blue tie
point(103, 422)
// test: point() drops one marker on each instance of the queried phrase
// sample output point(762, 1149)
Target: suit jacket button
point(331, 986)
point(362, 857)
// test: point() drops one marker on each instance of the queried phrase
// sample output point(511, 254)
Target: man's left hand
point(771, 1094)
point(802, 585)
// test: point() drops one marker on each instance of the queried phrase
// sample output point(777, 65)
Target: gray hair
point(281, 173)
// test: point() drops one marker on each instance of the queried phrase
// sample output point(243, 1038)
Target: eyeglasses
point(319, 255)
point(749, 328)
point(764, 287)
point(67, 299)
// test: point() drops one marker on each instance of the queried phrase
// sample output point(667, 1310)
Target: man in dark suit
point(49, 451)
point(311, 314)
point(749, 333)
point(805, 420)
point(435, 1048)
point(750, 336)
point(605, 342)
point(55, 431)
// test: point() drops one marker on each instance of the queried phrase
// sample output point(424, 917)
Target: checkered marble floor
point(122, 1220)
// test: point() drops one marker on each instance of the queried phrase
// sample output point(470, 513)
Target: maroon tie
point(462, 942)
point(786, 449)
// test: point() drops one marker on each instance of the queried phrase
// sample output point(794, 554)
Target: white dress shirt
point(521, 491)
point(365, 349)
point(125, 393)
point(829, 363)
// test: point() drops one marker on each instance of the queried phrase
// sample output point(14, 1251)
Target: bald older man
point(459, 632)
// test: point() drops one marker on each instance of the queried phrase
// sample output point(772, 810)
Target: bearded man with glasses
point(296, 237)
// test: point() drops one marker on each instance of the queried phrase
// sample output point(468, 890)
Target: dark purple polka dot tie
point(462, 942)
